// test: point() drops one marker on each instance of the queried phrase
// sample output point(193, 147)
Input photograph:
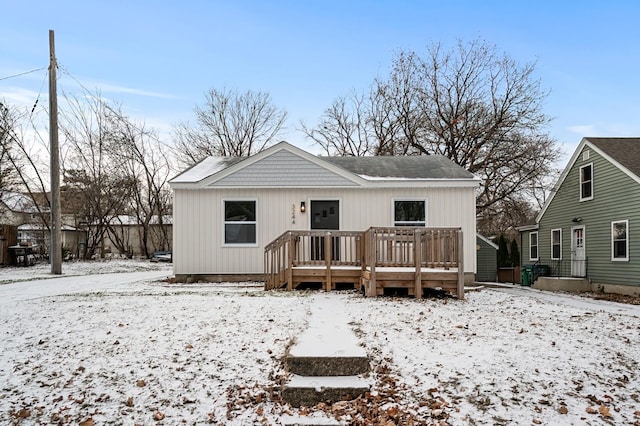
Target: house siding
point(198, 242)
point(285, 169)
point(616, 196)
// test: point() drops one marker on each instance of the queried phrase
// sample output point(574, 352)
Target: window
point(533, 246)
point(409, 213)
point(585, 155)
point(240, 222)
point(586, 182)
point(620, 240)
point(556, 244)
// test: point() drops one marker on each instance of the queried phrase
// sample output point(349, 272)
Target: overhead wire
point(22, 73)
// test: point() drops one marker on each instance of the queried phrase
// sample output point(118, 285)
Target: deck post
point(328, 255)
point(373, 258)
point(460, 265)
point(265, 267)
point(417, 259)
point(289, 248)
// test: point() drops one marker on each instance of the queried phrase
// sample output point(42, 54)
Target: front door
point(325, 215)
point(578, 256)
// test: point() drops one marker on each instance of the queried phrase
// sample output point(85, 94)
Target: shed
point(487, 259)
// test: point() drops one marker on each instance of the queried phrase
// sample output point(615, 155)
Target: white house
point(226, 210)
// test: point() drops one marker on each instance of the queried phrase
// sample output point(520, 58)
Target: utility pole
point(55, 251)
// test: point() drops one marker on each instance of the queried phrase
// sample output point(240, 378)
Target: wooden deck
point(379, 258)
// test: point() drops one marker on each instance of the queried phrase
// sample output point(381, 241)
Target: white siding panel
point(283, 169)
point(198, 230)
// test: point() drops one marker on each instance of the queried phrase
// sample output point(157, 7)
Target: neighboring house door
point(578, 257)
point(325, 215)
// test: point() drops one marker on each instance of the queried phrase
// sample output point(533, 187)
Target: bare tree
point(9, 177)
point(90, 174)
point(478, 108)
point(344, 128)
point(20, 167)
point(145, 161)
point(229, 124)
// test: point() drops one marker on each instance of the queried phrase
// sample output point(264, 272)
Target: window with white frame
point(556, 244)
point(240, 222)
point(620, 240)
point(586, 182)
point(533, 246)
point(409, 213)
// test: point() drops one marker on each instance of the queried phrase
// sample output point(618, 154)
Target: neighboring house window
point(620, 240)
point(556, 244)
point(409, 213)
point(586, 182)
point(533, 246)
point(240, 222)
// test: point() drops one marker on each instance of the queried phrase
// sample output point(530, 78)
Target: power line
point(22, 73)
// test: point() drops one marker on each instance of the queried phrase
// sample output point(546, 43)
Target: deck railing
point(376, 247)
point(309, 249)
point(405, 247)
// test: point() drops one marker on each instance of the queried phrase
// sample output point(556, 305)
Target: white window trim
point(224, 222)
point(552, 231)
point(580, 179)
point(537, 245)
point(393, 210)
point(620, 259)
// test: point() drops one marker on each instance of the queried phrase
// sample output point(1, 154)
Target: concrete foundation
point(562, 284)
point(580, 285)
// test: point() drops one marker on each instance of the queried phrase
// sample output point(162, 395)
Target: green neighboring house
point(587, 235)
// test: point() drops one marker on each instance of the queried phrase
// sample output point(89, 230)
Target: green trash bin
point(526, 275)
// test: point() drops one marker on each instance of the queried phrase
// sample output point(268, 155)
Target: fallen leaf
point(141, 383)
point(591, 410)
point(129, 402)
point(563, 409)
point(604, 411)
point(23, 414)
point(87, 422)
point(158, 415)
point(536, 421)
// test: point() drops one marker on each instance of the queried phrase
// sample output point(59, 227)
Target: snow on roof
point(18, 202)
point(124, 219)
point(205, 168)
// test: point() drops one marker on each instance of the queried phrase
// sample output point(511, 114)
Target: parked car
point(162, 256)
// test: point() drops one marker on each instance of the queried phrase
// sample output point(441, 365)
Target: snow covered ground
point(112, 343)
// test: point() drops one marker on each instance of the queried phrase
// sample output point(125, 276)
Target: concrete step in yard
point(326, 362)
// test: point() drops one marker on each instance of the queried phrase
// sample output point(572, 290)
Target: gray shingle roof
point(625, 151)
point(403, 167)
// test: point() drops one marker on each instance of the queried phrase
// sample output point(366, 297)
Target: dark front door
point(325, 215)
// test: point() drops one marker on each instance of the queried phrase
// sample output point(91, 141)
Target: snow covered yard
point(127, 348)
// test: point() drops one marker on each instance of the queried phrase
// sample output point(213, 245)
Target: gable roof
point(346, 171)
point(18, 202)
point(623, 153)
